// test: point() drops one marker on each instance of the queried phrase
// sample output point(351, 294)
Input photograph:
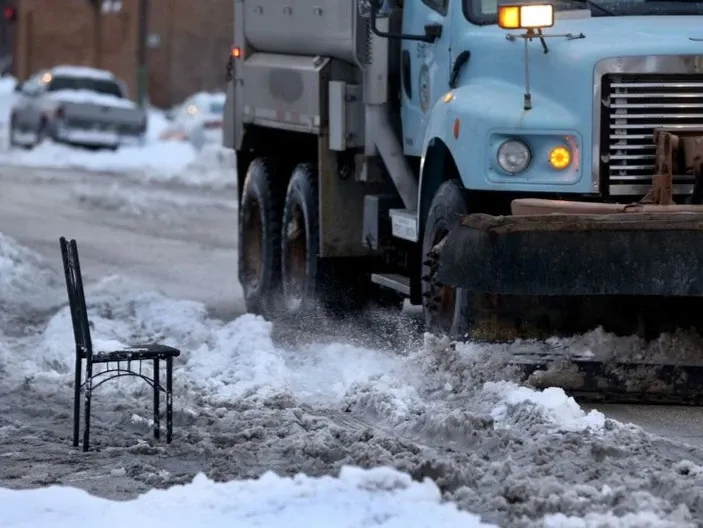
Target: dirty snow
point(247, 404)
point(27, 284)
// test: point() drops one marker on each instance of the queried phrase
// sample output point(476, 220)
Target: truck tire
point(260, 211)
point(300, 241)
point(311, 285)
point(446, 309)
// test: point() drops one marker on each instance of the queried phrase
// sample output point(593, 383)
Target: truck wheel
point(312, 285)
point(300, 242)
point(446, 309)
point(260, 212)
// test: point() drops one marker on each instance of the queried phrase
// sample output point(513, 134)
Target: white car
point(75, 105)
point(197, 120)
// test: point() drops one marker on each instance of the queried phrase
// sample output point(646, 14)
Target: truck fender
point(437, 163)
point(437, 166)
point(459, 126)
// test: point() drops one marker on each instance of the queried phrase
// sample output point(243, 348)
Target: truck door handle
point(433, 31)
point(461, 59)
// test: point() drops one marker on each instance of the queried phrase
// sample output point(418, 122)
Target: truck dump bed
point(274, 27)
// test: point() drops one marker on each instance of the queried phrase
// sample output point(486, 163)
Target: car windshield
point(102, 86)
point(485, 11)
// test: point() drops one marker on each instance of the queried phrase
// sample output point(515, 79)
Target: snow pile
point(553, 402)
point(156, 124)
point(28, 284)
point(7, 97)
point(360, 498)
point(161, 161)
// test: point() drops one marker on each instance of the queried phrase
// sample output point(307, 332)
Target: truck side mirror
point(375, 9)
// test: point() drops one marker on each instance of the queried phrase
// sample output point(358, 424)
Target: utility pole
point(96, 5)
point(141, 52)
point(97, 33)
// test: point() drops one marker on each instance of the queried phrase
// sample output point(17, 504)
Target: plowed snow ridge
point(515, 456)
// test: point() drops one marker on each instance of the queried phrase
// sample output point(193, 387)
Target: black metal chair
point(118, 363)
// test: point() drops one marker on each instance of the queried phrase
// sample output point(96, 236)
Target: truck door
point(424, 68)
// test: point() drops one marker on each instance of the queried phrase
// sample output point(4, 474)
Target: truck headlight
point(514, 156)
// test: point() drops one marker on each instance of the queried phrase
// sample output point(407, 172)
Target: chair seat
point(136, 353)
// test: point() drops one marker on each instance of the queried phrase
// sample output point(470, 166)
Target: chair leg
point(157, 403)
point(77, 401)
point(169, 399)
point(88, 394)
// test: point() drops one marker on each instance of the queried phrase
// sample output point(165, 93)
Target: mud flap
point(576, 254)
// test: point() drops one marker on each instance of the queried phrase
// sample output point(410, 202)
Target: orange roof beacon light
point(527, 16)
point(532, 18)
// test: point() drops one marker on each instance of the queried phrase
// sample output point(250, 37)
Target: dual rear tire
point(279, 266)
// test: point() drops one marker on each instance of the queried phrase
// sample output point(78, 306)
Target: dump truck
point(517, 169)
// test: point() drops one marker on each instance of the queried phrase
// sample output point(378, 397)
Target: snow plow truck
point(517, 169)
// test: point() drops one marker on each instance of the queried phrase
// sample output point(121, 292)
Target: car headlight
point(514, 156)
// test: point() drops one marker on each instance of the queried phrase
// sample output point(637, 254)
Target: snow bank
point(360, 498)
point(161, 161)
point(27, 282)
point(156, 124)
point(7, 97)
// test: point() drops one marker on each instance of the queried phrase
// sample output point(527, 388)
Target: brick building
point(188, 42)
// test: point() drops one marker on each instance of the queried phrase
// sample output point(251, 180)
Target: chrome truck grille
point(633, 107)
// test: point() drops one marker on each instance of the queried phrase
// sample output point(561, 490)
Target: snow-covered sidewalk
point(246, 405)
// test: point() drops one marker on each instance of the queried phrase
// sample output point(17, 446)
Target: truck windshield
point(102, 86)
point(484, 11)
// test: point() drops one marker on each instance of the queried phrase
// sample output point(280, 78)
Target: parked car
point(75, 105)
point(197, 120)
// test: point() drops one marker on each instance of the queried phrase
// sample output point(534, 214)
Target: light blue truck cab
point(574, 84)
point(473, 156)
point(555, 125)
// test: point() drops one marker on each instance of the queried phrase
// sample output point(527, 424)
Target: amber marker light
point(560, 158)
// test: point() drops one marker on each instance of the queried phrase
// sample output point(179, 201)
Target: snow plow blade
point(646, 252)
point(554, 248)
point(610, 382)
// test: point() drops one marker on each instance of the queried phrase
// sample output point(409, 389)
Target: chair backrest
point(76, 298)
